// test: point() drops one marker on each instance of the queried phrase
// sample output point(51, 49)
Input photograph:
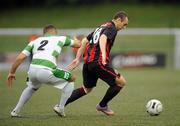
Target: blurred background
point(151, 38)
point(147, 53)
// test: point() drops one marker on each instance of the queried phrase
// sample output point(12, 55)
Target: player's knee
point(121, 81)
point(32, 88)
point(87, 90)
point(35, 89)
point(72, 79)
point(68, 88)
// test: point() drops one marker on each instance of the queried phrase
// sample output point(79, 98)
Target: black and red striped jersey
point(92, 51)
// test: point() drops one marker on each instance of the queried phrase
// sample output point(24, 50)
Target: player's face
point(55, 32)
point(52, 31)
point(122, 24)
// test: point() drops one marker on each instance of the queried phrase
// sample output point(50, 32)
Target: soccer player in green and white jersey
point(43, 68)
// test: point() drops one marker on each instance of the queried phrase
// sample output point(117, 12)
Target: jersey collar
point(48, 35)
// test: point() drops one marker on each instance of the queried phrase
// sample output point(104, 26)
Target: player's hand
point(104, 61)
point(10, 79)
point(73, 64)
point(75, 38)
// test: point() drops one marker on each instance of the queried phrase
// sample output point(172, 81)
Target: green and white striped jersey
point(45, 50)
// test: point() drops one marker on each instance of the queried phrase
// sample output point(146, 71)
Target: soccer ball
point(154, 107)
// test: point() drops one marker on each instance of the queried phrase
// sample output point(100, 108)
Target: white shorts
point(38, 76)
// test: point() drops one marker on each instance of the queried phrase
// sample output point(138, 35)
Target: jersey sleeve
point(90, 36)
point(110, 32)
point(28, 49)
point(68, 41)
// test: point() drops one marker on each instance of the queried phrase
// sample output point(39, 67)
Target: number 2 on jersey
point(43, 43)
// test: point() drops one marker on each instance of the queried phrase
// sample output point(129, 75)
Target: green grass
point(91, 16)
point(129, 105)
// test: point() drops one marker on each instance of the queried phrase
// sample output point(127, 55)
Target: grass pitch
point(129, 105)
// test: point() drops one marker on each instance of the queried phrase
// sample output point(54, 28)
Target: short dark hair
point(48, 27)
point(120, 14)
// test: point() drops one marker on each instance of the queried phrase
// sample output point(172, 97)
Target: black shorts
point(93, 71)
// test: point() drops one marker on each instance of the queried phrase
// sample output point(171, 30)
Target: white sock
point(66, 93)
point(26, 94)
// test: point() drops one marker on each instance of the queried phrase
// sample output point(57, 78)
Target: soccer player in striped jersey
point(43, 68)
point(96, 48)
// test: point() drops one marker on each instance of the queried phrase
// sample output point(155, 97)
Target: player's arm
point(19, 59)
point(11, 76)
point(80, 51)
point(103, 42)
point(75, 42)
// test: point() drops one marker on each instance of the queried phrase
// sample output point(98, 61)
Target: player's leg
point(89, 81)
point(58, 78)
point(63, 80)
point(78, 93)
point(65, 94)
point(116, 83)
point(25, 96)
point(113, 90)
point(120, 80)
